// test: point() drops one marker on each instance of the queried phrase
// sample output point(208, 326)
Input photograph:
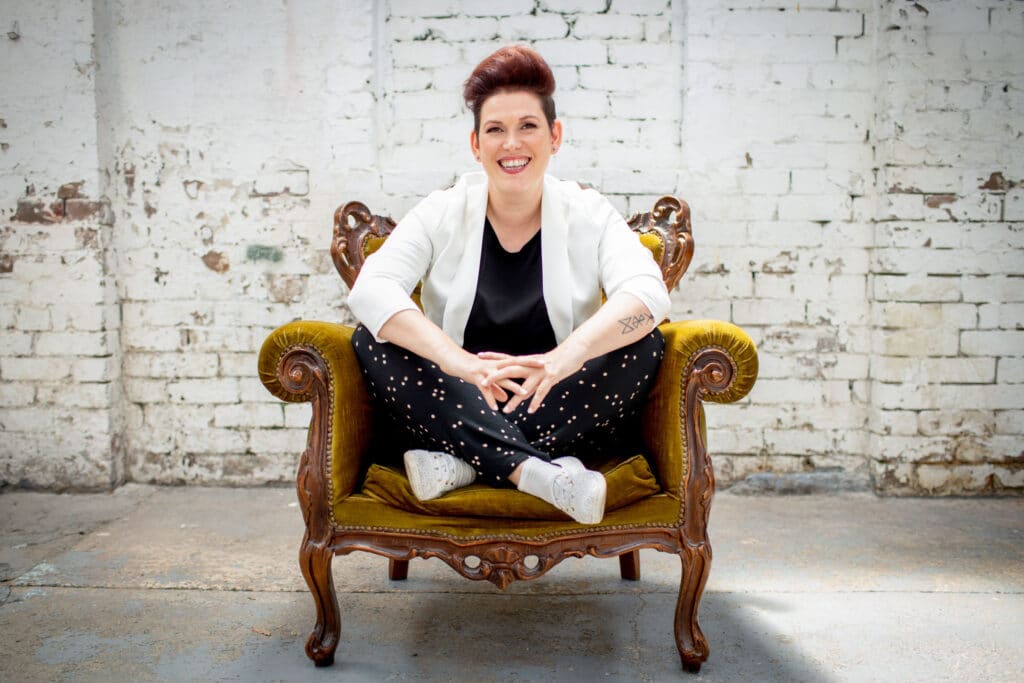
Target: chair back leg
point(629, 565)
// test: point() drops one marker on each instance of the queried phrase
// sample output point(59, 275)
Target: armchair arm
point(314, 361)
point(705, 360)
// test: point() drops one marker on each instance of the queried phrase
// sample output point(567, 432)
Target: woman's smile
point(513, 165)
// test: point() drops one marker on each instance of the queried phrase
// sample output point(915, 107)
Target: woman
point(514, 367)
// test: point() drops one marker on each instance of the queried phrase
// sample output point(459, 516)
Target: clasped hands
point(500, 375)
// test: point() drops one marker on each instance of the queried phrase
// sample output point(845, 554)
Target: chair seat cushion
point(628, 482)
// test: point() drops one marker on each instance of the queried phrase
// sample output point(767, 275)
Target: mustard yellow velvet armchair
point(660, 499)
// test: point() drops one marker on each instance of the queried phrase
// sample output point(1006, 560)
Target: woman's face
point(515, 142)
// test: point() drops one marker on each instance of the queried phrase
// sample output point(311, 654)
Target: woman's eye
point(493, 129)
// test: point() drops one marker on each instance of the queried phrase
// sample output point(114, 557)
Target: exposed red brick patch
point(996, 182)
point(82, 209)
point(936, 200)
point(71, 190)
point(216, 261)
point(37, 211)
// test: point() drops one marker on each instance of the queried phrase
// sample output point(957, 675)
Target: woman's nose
point(511, 142)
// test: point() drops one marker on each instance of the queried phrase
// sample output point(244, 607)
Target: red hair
point(514, 67)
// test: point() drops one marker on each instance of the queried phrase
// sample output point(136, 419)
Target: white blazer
point(586, 246)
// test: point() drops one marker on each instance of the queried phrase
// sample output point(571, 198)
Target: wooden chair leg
point(693, 646)
point(315, 561)
point(629, 565)
point(398, 570)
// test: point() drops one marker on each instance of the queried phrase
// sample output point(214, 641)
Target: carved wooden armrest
point(705, 360)
point(314, 361)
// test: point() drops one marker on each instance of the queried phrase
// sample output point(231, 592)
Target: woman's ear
point(474, 145)
point(556, 136)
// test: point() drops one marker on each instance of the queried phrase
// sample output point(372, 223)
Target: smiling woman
point(514, 372)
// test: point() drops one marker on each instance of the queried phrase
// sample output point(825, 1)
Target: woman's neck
point(515, 215)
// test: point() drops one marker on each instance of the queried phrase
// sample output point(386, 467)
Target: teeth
point(514, 163)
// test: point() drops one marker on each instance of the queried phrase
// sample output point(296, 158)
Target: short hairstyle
point(514, 67)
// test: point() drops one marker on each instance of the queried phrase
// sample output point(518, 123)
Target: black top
point(508, 312)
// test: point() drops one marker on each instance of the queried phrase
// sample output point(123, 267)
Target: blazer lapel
point(554, 242)
point(463, 285)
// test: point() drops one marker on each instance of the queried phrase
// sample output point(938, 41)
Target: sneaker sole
point(412, 472)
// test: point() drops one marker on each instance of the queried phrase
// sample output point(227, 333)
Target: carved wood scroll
point(675, 233)
point(355, 224)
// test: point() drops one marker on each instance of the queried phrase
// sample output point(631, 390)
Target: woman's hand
point(539, 372)
point(481, 371)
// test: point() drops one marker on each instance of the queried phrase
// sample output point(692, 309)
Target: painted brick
point(486, 8)
point(424, 8)
point(97, 395)
point(572, 52)
point(424, 54)
point(16, 394)
point(917, 288)
point(990, 342)
point(82, 343)
point(534, 27)
point(255, 415)
point(985, 289)
point(574, 6)
point(95, 370)
point(604, 26)
point(48, 369)
point(297, 415)
point(198, 391)
point(29, 318)
point(764, 128)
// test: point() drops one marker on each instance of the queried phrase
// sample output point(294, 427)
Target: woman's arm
point(622, 320)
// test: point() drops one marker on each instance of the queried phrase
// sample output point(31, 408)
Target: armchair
point(349, 504)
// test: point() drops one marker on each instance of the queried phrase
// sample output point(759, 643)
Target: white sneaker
point(578, 492)
point(581, 495)
point(432, 473)
point(570, 463)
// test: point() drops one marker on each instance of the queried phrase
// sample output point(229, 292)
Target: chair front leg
point(693, 647)
point(315, 560)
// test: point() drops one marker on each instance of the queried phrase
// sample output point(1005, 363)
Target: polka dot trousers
point(584, 415)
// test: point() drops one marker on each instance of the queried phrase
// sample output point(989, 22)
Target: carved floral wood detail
point(355, 224)
point(676, 235)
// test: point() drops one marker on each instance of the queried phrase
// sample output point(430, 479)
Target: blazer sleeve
point(627, 266)
point(391, 273)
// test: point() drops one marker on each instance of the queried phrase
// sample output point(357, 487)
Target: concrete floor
point(151, 583)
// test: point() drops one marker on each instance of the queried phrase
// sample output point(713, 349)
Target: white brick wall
point(857, 200)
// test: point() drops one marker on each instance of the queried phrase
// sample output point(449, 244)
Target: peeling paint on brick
point(36, 211)
point(873, 311)
point(286, 288)
point(87, 238)
point(937, 200)
point(996, 182)
point(192, 188)
point(71, 190)
point(129, 179)
point(216, 261)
